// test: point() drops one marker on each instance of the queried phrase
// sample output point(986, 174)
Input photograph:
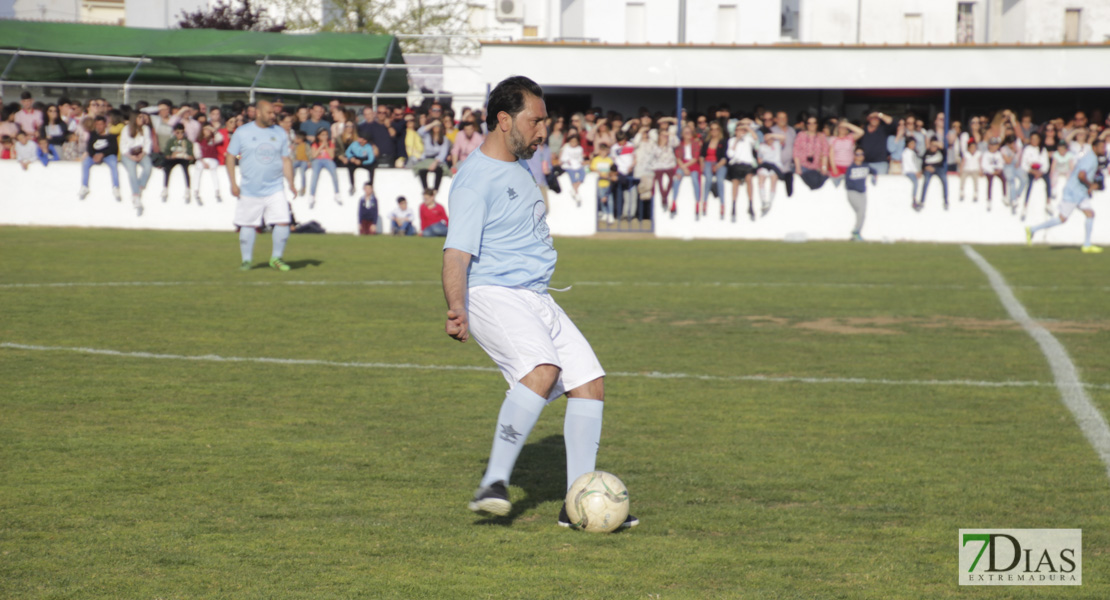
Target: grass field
point(167, 470)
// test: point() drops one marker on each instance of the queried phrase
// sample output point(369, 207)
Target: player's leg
point(248, 215)
point(509, 325)
point(276, 211)
point(1089, 227)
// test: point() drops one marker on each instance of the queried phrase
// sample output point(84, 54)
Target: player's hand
point(457, 325)
point(234, 189)
point(293, 189)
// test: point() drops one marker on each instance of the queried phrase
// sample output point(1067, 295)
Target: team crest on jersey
point(512, 194)
point(539, 224)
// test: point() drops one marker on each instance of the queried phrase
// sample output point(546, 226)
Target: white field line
point(432, 282)
point(1072, 392)
point(646, 375)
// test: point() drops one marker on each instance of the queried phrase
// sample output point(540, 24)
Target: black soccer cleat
point(492, 500)
point(564, 520)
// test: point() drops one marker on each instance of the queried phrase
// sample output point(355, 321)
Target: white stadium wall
point(47, 196)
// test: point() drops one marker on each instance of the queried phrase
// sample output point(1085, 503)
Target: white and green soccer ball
point(597, 501)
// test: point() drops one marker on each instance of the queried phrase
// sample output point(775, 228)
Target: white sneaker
point(115, 192)
point(199, 203)
point(187, 197)
point(84, 193)
point(218, 198)
point(165, 195)
point(312, 202)
point(338, 201)
point(137, 202)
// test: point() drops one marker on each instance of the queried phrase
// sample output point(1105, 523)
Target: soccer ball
point(597, 501)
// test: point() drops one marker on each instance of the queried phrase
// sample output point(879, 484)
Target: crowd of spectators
point(641, 162)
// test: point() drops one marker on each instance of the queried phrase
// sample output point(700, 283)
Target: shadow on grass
point(308, 262)
point(541, 472)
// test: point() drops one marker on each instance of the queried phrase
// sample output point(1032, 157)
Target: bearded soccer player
point(497, 264)
point(262, 147)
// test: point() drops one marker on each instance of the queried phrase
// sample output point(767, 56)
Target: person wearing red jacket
point(433, 217)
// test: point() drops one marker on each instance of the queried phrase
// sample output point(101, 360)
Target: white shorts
point(250, 210)
point(1066, 208)
point(521, 329)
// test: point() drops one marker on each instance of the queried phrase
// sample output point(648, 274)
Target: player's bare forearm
point(455, 264)
point(287, 170)
point(230, 163)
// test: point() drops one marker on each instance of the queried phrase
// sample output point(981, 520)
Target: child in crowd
point(855, 182)
point(7, 151)
point(933, 166)
point(993, 163)
point(433, 217)
point(300, 159)
point(71, 149)
point(1062, 162)
point(971, 166)
point(402, 217)
point(46, 153)
point(909, 167)
point(179, 152)
point(26, 152)
point(209, 162)
point(571, 159)
point(602, 164)
point(368, 211)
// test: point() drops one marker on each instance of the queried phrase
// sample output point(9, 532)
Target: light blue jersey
point(498, 217)
point(1074, 190)
point(260, 153)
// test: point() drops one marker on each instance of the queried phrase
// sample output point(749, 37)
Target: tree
point(392, 17)
point(242, 17)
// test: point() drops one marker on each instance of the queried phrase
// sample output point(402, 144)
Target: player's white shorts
point(1066, 208)
point(521, 329)
point(250, 210)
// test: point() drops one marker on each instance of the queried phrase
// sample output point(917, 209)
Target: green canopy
point(205, 57)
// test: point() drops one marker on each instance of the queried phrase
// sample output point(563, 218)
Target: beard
point(519, 147)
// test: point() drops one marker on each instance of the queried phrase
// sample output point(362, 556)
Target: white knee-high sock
point(246, 242)
point(582, 435)
point(519, 413)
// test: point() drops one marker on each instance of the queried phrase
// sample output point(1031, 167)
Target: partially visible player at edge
point(1077, 194)
point(263, 149)
point(497, 263)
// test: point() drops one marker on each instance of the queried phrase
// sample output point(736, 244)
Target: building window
point(726, 24)
point(965, 23)
point(915, 29)
point(635, 23)
point(789, 27)
point(1071, 25)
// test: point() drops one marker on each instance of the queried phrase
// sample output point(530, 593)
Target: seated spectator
point(29, 118)
point(434, 159)
point(602, 164)
point(414, 144)
point(26, 151)
point(315, 121)
point(401, 218)
point(368, 211)
point(185, 116)
point(46, 153)
point(53, 128)
point(571, 159)
point(301, 159)
point(380, 133)
point(993, 165)
point(7, 148)
point(910, 168)
point(71, 149)
point(433, 217)
point(933, 166)
point(468, 140)
point(742, 163)
point(687, 157)
point(8, 126)
point(970, 166)
point(361, 154)
point(770, 167)
point(178, 152)
point(136, 142)
point(842, 147)
point(323, 158)
point(208, 162)
point(102, 148)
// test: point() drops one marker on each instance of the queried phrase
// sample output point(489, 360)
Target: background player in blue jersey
point(497, 263)
point(262, 148)
point(1083, 180)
